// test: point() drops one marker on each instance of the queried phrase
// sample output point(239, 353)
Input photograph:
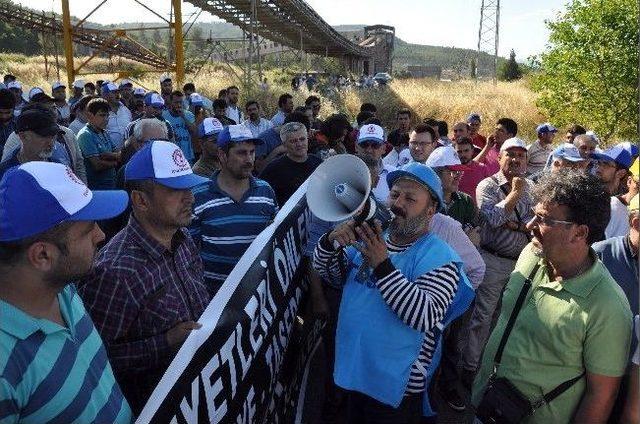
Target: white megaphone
point(340, 188)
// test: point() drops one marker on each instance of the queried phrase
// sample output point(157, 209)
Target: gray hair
point(586, 138)
point(148, 124)
point(290, 128)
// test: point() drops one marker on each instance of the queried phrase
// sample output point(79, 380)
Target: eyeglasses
point(548, 222)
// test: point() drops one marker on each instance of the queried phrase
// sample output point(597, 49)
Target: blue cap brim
point(571, 158)
point(602, 156)
point(393, 176)
point(104, 204)
point(182, 182)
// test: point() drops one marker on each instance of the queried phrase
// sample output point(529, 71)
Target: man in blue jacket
point(402, 288)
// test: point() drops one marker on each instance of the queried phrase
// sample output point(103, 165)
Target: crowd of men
point(506, 264)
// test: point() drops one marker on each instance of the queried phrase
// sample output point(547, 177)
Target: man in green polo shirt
point(575, 318)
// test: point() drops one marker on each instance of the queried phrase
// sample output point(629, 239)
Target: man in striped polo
point(231, 209)
point(53, 365)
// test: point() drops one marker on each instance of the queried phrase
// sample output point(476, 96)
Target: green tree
point(510, 70)
point(589, 74)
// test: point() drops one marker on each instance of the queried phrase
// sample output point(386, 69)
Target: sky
point(449, 23)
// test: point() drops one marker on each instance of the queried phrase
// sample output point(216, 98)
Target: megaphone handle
point(336, 245)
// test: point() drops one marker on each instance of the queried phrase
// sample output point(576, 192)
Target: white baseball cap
point(445, 156)
point(34, 91)
point(164, 163)
point(37, 196)
point(210, 126)
point(139, 91)
point(164, 78)
point(57, 85)
point(125, 82)
point(15, 84)
point(78, 83)
point(371, 132)
point(513, 142)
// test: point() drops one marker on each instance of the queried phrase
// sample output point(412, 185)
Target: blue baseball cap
point(109, 87)
point(371, 132)
point(546, 128)
point(236, 134)
point(474, 116)
point(37, 196)
point(164, 163)
point(569, 152)
point(196, 99)
point(630, 147)
point(617, 154)
point(209, 126)
point(422, 174)
point(154, 100)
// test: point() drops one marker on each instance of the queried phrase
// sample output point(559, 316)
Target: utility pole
point(489, 34)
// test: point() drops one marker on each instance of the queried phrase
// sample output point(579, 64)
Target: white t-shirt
point(619, 221)
point(381, 191)
point(405, 157)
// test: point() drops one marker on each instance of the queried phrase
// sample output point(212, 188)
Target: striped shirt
point(50, 373)
point(225, 228)
point(137, 291)
point(491, 201)
point(420, 304)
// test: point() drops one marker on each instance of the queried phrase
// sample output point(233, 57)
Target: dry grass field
point(451, 101)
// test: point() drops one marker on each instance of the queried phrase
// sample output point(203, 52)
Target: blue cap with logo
point(37, 196)
point(164, 163)
point(422, 174)
point(546, 128)
point(154, 100)
point(567, 151)
point(371, 132)
point(209, 127)
point(617, 154)
point(236, 134)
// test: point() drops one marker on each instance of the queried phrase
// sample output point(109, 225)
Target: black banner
point(247, 363)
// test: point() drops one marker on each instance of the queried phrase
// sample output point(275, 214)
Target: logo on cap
point(77, 180)
point(180, 161)
point(371, 129)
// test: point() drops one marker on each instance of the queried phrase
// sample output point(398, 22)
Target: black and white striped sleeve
point(324, 261)
point(420, 304)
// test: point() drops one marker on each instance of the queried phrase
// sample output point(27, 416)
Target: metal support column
point(178, 41)
point(68, 42)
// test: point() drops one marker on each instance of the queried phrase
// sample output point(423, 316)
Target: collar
point(214, 187)
point(502, 180)
point(581, 285)
point(151, 245)
point(22, 325)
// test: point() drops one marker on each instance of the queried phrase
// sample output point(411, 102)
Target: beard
point(401, 227)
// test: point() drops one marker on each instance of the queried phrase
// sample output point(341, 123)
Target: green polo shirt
point(563, 328)
point(462, 209)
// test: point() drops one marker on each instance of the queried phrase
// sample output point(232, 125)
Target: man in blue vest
point(402, 288)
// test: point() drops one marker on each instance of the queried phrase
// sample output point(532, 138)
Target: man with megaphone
point(402, 287)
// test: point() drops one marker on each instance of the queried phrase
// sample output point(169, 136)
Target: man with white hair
point(286, 173)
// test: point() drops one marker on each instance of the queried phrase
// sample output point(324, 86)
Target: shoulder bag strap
point(512, 318)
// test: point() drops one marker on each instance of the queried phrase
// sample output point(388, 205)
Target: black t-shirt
point(285, 175)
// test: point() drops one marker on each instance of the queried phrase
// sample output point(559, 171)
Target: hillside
point(19, 40)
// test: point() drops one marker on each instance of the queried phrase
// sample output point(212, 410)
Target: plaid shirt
point(137, 291)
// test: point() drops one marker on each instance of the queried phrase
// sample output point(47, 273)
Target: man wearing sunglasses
point(574, 325)
point(371, 142)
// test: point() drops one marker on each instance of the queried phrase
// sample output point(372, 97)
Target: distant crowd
point(505, 284)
